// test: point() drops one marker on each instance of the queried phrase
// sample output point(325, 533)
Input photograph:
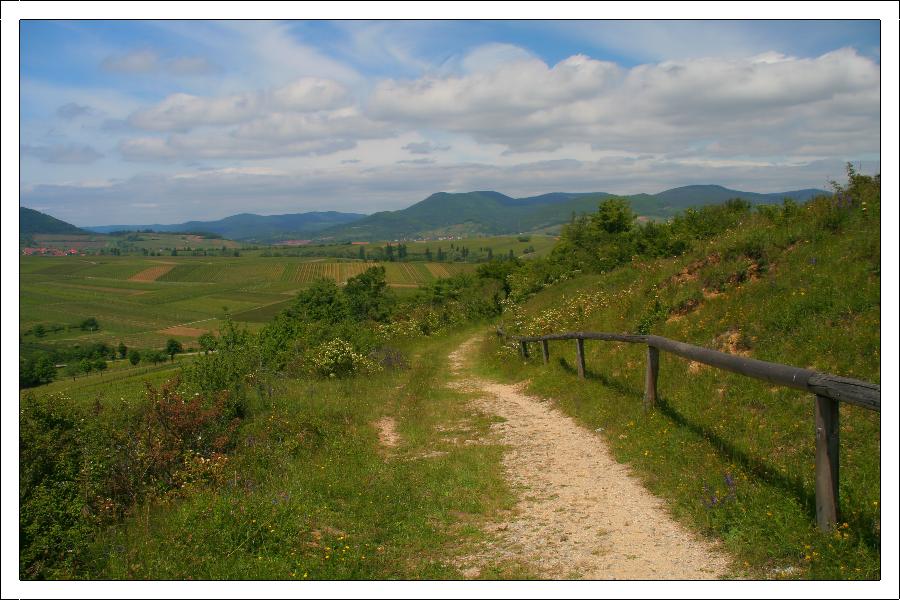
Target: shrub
point(337, 358)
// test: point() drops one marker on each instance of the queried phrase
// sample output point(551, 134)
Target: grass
point(311, 492)
point(733, 457)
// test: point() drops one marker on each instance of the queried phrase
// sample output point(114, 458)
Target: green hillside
point(32, 221)
point(733, 456)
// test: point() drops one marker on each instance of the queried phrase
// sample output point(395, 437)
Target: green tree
point(123, 350)
point(389, 252)
point(614, 216)
point(36, 371)
point(321, 301)
point(134, 357)
point(207, 342)
point(39, 330)
point(362, 253)
point(367, 295)
point(86, 365)
point(99, 365)
point(90, 324)
point(173, 347)
point(73, 369)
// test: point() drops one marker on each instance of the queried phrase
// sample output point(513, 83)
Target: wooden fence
point(829, 391)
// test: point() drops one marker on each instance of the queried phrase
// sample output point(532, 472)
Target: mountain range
point(493, 213)
point(441, 214)
point(247, 226)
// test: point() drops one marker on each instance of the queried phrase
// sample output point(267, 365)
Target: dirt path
point(581, 514)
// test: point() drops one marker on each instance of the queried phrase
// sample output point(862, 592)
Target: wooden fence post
point(580, 346)
point(651, 378)
point(545, 350)
point(524, 346)
point(827, 453)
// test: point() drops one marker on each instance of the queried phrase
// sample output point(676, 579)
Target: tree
point(36, 371)
point(90, 324)
point(321, 301)
point(389, 252)
point(86, 366)
point(39, 330)
point(99, 365)
point(134, 357)
point(614, 216)
point(367, 295)
point(362, 253)
point(123, 350)
point(173, 347)
point(73, 369)
point(490, 254)
point(207, 342)
point(427, 253)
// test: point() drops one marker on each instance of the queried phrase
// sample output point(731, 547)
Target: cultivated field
point(143, 301)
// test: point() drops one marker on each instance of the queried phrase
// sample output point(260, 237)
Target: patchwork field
point(131, 241)
point(144, 301)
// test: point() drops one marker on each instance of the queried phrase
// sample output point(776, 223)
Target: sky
point(136, 122)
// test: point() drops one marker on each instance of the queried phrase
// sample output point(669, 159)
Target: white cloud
point(63, 154)
point(138, 61)
point(73, 110)
point(769, 104)
point(181, 112)
point(191, 65)
point(425, 148)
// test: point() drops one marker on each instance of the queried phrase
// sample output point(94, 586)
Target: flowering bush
point(338, 358)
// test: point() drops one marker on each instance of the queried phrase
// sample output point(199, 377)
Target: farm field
point(500, 245)
point(144, 301)
point(133, 241)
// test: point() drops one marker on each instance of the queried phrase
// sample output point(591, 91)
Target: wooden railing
point(829, 391)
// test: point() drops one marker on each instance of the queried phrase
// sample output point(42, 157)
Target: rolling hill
point(493, 213)
point(248, 226)
point(35, 222)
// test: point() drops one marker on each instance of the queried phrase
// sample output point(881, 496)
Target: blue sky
point(128, 122)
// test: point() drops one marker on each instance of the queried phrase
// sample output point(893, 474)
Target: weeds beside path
point(580, 513)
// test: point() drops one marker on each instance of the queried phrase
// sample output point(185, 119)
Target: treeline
point(41, 364)
point(399, 252)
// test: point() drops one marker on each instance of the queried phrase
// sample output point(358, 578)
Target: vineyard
point(143, 301)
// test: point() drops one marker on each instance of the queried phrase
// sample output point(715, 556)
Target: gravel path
point(581, 514)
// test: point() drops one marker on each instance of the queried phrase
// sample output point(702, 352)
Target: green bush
point(337, 358)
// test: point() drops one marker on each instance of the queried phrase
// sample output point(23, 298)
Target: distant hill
point(251, 227)
point(669, 202)
point(32, 221)
point(493, 213)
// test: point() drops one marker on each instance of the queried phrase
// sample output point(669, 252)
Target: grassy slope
point(311, 494)
point(733, 457)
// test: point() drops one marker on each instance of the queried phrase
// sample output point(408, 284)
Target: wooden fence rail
point(829, 391)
